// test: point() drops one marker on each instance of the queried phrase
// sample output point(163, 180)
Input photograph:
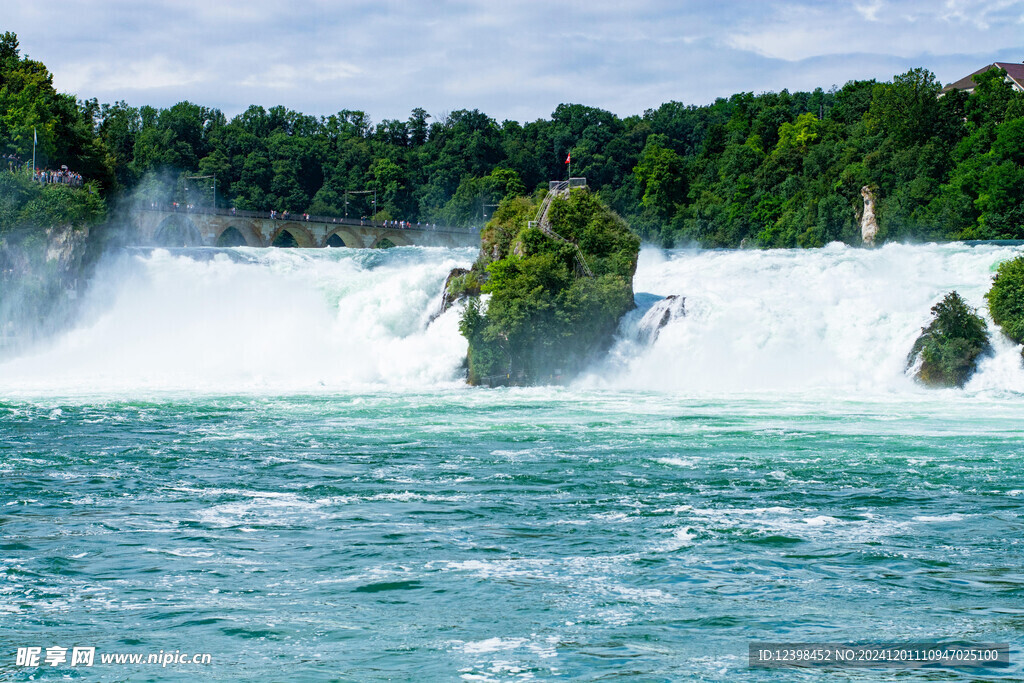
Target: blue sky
point(510, 59)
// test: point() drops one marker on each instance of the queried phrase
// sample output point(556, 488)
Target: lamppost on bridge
point(373, 192)
point(205, 177)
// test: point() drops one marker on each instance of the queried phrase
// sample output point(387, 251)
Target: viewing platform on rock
point(168, 226)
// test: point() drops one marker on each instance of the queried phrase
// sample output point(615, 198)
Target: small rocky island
point(553, 279)
point(946, 354)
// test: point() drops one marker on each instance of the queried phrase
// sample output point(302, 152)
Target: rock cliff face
point(459, 285)
point(65, 250)
point(660, 314)
point(40, 273)
point(868, 223)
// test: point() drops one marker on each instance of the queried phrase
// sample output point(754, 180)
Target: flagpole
point(34, 140)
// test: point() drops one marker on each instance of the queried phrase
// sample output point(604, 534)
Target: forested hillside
point(774, 169)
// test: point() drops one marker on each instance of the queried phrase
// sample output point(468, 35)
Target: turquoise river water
point(268, 456)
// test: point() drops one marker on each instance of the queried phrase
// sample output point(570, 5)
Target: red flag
point(568, 157)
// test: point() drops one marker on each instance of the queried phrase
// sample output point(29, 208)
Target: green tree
point(951, 343)
point(907, 108)
point(661, 173)
point(1006, 298)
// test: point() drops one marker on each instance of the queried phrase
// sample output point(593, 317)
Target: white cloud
point(869, 10)
point(511, 59)
point(335, 71)
point(287, 76)
point(153, 73)
point(982, 13)
point(901, 28)
point(792, 43)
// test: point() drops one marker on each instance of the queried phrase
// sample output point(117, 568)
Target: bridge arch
point(396, 239)
point(347, 236)
point(177, 231)
point(238, 235)
point(156, 226)
point(294, 235)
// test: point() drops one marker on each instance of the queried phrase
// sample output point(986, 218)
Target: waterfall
point(839, 320)
point(243, 319)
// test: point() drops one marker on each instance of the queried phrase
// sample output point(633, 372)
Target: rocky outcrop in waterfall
point(868, 222)
point(946, 354)
point(460, 283)
point(561, 283)
point(659, 315)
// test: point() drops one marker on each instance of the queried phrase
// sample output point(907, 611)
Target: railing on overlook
point(563, 185)
point(556, 187)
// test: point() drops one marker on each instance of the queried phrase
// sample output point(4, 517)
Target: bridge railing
point(563, 185)
point(300, 218)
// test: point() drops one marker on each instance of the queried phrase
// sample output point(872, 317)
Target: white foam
point(492, 645)
point(248, 319)
point(837, 319)
point(952, 517)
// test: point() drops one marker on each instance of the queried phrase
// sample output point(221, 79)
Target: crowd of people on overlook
point(61, 176)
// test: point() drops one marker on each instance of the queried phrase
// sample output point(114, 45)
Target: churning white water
point(241, 319)
point(838, 320)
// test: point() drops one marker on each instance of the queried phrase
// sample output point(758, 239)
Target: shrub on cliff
point(1006, 298)
point(25, 204)
point(43, 230)
point(547, 317)
point(949, 347)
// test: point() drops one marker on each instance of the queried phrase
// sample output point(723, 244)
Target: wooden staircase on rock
point(560, 188)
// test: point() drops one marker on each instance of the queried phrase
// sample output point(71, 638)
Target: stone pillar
point(868, 223)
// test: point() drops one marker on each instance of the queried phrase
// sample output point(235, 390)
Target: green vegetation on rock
point(547, 316)
point(950, 345)
point(1006, 298)
point(27, 205)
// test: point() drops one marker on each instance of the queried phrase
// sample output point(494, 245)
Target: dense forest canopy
point(774, 169)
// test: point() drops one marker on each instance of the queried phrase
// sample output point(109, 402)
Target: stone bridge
point(197, 227)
